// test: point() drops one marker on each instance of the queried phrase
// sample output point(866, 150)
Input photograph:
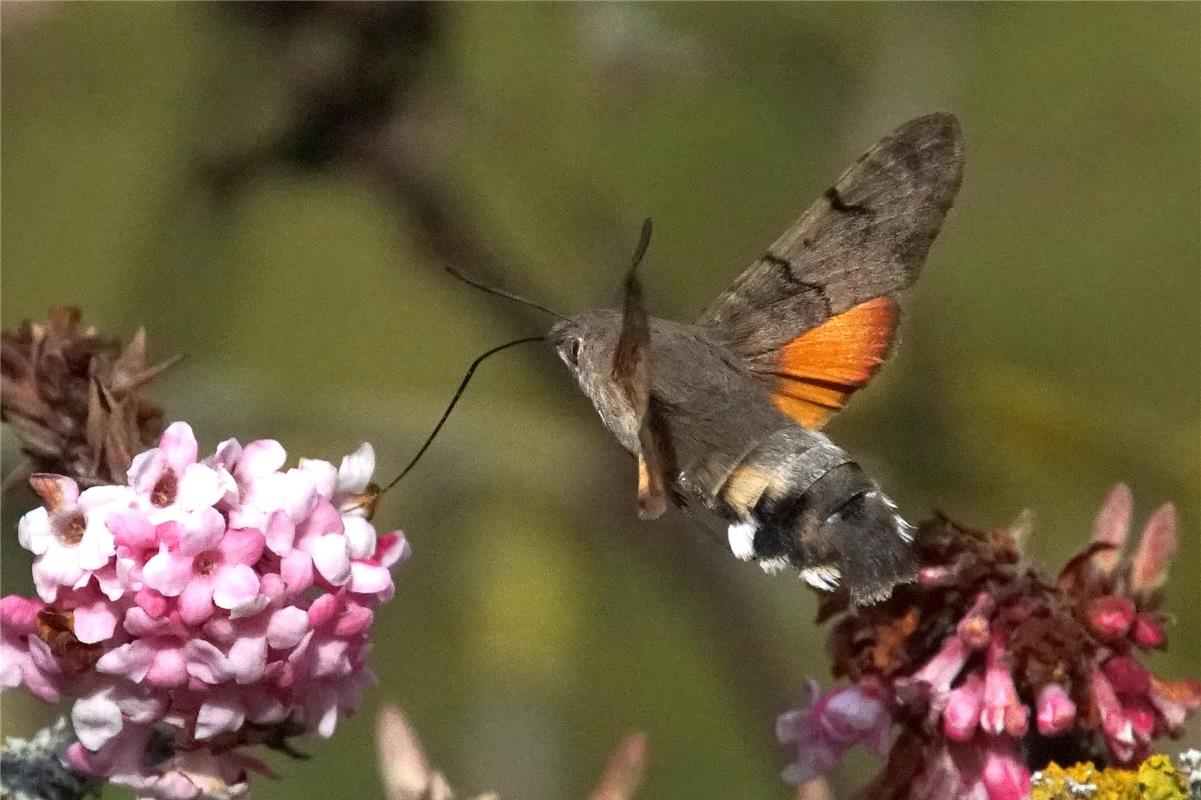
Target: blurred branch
point(369, 109)
point(361, 99)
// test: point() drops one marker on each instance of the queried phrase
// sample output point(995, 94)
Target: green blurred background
point(274, 191)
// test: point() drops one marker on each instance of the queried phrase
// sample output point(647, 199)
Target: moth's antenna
point(644, 241)
point(453, 401)
point(501, 292)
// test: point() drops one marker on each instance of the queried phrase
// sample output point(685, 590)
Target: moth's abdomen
point(798, 500)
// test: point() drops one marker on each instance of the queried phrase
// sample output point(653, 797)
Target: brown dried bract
point(57, 629)
point(73, 398)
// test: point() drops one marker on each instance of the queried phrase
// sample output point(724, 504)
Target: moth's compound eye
point(573, 352)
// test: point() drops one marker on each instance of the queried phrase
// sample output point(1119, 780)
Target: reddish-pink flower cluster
point(987, 670)
point(206, 606)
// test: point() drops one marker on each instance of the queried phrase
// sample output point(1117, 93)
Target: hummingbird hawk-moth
point(724, 414)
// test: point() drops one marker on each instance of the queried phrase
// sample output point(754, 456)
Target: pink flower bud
point(1155, 550)
point(1112, 526)
point(941, 670)
point(974, 627)
point(1147, 632)
point(1056, 711)
point(961, 716)
point(150, 601)
point(1109, 617)
point(19, 613)
point(1127, 675)
point(1002, 711)
point(1004, 775)
point(1141, 714)
point(1113, 719)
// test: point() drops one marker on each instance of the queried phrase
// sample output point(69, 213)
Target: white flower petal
point(100, 497)
point(250, 607)
point(33, 531)
point(331, 559)
point(218, 715)
point(96, 719)
point(56, 567)
point(97, 544)
point(260, 458)
point(178, 444)
point(286, 627)
point(356, 469)
point(145, 470)
point(199, 486)
point(226, 455)
point(324, 474)
point(360, 536)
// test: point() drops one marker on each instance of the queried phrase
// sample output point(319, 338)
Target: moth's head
point(586, 343)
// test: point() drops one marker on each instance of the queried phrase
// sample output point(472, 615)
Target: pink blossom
point(225, 601)
point(24, 658)
point(206, 566)
point(95, 617)
point(170, 483)
point(1114, 722)
point(1109, 617)
point(961, 716)
point(1004, 775)
point(1056, 711)
point(103, 713)
point(1002, 711)
point(939, 672)
point(190, 774)
point(1127, 675)
point(1112, 526)
point(828, 725)
point(1175, 700)
point(1147, 632)
point(1141, 713)
point(72, 542)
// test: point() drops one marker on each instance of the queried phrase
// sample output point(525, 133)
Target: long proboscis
point(502, 293)
point(454, 400)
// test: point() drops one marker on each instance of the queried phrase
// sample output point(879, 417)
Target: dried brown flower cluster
point(74, 398)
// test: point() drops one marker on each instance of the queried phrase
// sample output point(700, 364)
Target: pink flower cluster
point(831, 723)
point(988, 670)
point(206, 606)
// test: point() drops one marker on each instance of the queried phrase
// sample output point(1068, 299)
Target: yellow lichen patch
point(1155, 779)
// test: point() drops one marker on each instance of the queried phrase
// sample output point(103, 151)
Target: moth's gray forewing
point(868, 236)
point(631, 371)
point(710, 412)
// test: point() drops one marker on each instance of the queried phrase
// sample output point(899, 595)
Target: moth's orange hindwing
point(820, 369)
